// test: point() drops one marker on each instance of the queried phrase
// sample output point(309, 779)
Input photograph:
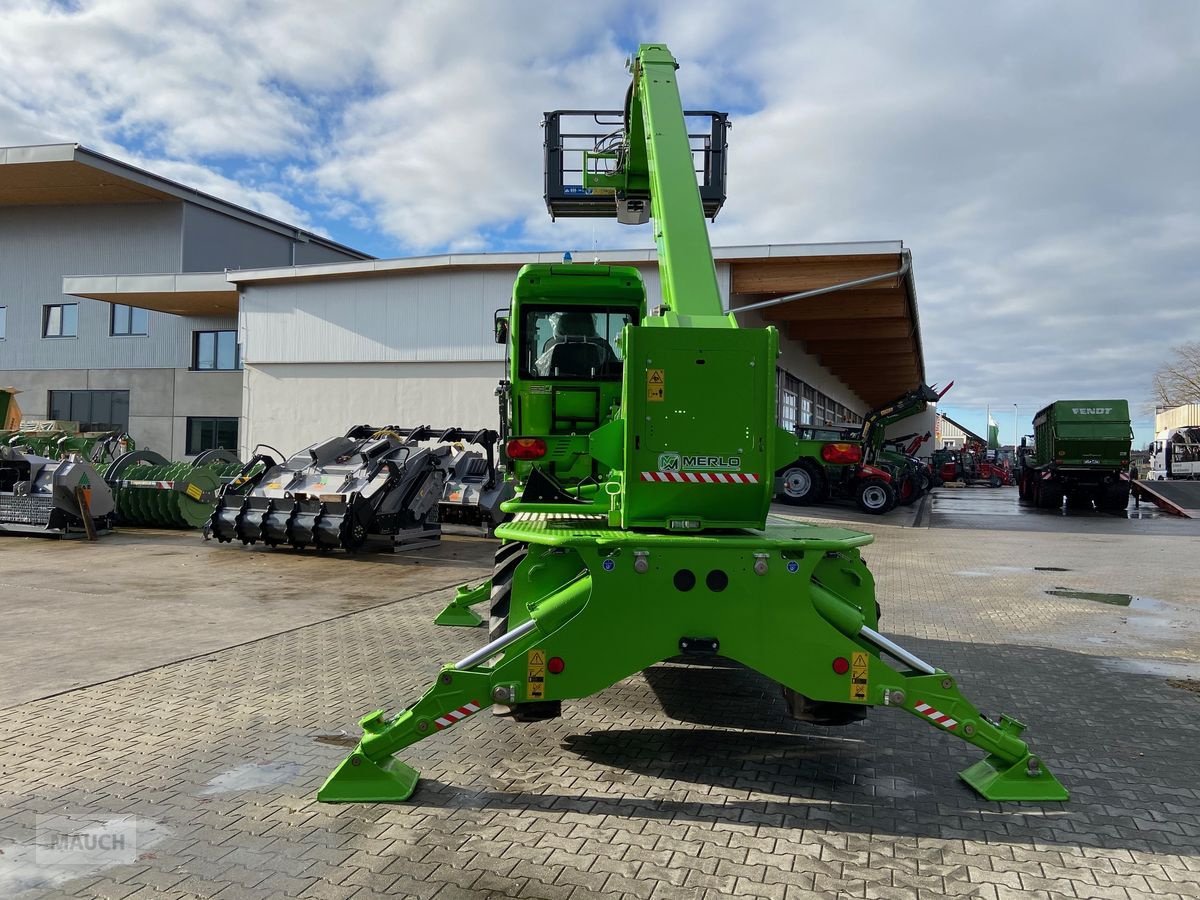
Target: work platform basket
point(569, 133)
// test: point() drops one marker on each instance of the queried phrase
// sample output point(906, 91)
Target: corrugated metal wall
point(213, 242)
point(406, 316)
point(39, 245)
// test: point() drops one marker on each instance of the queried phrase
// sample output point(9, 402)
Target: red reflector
point(555, 664)
point(841, 453)
point(841, 665)
point(525, 448)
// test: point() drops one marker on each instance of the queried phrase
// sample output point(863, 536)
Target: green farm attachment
point(154, 492)
point(643, 450)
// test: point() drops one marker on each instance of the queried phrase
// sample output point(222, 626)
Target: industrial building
point(409, 341)
point(170, 376)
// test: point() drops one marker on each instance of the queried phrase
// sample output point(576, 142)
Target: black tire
point(994, 481)
point(1115, 498)
point(1049, 494)
point(803, 483)
point(508, 558)
point(874, 496)
point(822, 712)
point(924, 483)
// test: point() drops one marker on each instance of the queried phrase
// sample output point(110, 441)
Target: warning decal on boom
point(858, 676)
point(535, 676)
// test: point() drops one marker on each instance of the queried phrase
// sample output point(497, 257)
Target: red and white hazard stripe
point(941, 718)
point(456, 715)
point(702, 477)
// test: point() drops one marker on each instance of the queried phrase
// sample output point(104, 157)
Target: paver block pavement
point(681, 782)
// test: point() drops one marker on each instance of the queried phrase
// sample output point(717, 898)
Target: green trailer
point(1080, 451)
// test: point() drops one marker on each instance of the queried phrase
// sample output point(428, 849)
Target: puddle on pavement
point(1110, 599)
point(1173, 671)
point(1130, 600)
point(251, 776)
point(337, 740)
point(75, 846)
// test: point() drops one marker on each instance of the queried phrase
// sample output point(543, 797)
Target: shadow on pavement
point(1127, 746)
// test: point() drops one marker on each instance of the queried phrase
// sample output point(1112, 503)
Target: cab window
point(573, 343)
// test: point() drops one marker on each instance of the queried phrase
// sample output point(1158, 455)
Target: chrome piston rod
point(891, 648)
point(489, 650)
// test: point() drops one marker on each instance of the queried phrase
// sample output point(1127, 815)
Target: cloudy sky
point(1042, 160)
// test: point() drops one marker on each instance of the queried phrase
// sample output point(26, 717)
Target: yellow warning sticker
point(859, 679)
point(194, 492)
point(535, 675)
point(656, 384)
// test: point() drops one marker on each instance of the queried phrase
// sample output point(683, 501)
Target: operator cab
point(573, 343)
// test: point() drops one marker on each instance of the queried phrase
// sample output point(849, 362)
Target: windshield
point(577, 343)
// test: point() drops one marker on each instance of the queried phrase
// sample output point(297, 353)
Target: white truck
point(1174, 454)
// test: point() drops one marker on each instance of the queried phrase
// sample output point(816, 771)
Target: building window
point(60, 320)
point(215, 351)
point(93, 410)
point(211, 434)
point(129, 320)
point(788, 400)
point(806, 411)
point(3, 322)
point(787, 410)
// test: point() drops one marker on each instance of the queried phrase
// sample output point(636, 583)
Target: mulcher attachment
point(57, 497)
point(592, 605)
point(373, 482)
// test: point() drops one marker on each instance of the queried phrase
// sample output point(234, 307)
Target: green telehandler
point(654, 543)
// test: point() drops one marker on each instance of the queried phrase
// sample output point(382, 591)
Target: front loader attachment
point(593, 605)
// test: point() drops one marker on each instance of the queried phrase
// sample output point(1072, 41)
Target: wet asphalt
point(1000, 509)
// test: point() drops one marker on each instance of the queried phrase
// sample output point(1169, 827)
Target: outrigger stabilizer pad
point(995, 778)
point(458, 612)
point(359, 779)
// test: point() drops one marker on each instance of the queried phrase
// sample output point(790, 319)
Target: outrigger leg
point(814, 635)
point(458, 612)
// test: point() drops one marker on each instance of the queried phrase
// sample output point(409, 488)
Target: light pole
point(1014, 431)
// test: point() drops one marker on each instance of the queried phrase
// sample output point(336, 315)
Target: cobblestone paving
point(683, 782)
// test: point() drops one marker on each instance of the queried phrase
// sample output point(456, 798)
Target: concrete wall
point(160, 400)
point(920, 423)
point(290, 406)
point(1177, 417)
